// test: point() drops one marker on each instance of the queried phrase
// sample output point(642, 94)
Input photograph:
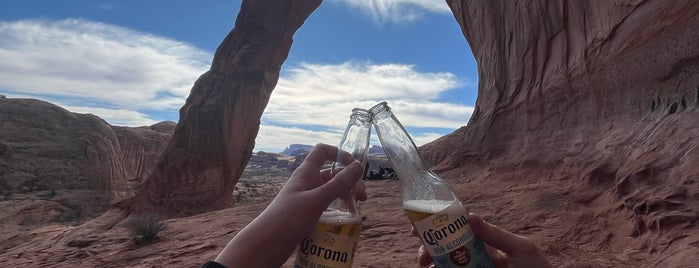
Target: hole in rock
point(673, 108)
point(652, 106)
point(683, 104)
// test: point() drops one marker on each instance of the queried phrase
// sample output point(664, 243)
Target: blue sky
point(133, 63)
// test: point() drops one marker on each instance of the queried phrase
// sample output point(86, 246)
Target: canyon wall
point(593, 108)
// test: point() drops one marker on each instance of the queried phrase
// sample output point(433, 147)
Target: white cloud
point(320, 95)
point(397, 11)
point(274, 138)
point(426, 138)
point(92, 61)
point(126, 77)
point(119, 117)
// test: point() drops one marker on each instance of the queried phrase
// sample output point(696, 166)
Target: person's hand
point(507, 250)
point(294, 211)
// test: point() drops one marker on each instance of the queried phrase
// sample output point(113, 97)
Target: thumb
point(342, 183)
point(511, 244)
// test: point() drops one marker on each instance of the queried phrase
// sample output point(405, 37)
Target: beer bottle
point(431, 206)
point(333, 241)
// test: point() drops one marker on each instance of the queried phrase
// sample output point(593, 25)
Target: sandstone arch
point(218, 124)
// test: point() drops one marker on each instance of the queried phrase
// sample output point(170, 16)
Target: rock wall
point(61, 166)
point(567, 63)
point(586, 116)
point(140, 148)
point(215, 135)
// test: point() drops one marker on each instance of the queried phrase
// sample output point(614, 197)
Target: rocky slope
point(384, 242)
point(61, 166)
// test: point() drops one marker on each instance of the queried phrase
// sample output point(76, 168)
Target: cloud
point(129, 78)
point(317, 95)
point(272, 138)
point(426, 138)
point(396, 11)
point(321, 97)
point(275, 138)
point(119, 117)
point(88, 61)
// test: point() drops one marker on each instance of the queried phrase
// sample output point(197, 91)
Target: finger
point(341, 183)
point(509, 243)
point(326, 174)
point(423, 258)
point(317, 157)
point(360, 191)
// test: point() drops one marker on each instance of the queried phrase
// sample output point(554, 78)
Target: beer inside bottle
point(429, 203)
point(444, 231)
point(333, 241)
point(341, 223)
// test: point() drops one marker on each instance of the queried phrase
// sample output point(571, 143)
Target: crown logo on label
point(440, 220)
point(328, 240)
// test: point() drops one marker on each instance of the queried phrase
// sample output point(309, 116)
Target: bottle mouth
point(362, 114)
point(380, 110)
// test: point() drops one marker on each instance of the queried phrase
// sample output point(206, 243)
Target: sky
point(133, 63)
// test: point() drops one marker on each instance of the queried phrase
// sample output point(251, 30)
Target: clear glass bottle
point(431, 206)
point(333, 242)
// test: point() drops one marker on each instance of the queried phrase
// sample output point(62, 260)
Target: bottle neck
point(397, 144)
point(355, 142)
point(417, 181)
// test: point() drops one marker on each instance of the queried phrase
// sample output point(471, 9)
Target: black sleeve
point(212, 264)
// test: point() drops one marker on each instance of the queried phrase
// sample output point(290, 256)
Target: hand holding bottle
point(505, 248)
point(294, 211)
point(333, 241)
point(429, 203)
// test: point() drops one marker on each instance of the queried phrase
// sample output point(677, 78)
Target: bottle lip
point(380, 110)
point(362, 114)
point(379, 107)
point(360, 110)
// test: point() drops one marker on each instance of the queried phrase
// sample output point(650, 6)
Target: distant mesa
point(297, 149)
point(376, 150)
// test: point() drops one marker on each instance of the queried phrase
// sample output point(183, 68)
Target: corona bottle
point(334, 239)
point(431, 206)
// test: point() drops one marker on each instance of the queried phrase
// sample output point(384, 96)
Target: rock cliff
point(215, 135)
point(590, 107)
point(59, 166)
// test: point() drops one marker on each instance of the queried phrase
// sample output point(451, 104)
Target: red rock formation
point(56, 165)
point(218, 124)
point(584, 133)
point(139, 150)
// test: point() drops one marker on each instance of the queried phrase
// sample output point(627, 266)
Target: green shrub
point(145, 228)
